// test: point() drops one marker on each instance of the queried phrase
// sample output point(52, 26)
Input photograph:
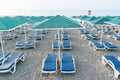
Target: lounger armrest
point(118, 58)
point(111, 64)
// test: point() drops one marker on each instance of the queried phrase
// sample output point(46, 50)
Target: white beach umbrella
point(2, 44)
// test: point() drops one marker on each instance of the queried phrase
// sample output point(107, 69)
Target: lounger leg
point(116, 74)
point(13, 69)
point(94, 48)
point(34, 46)
point(23, 58)
point(103, 61)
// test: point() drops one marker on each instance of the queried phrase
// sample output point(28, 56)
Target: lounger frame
point(48, 72)
point(108, 48)
point(67, 48)
point(108, 62)
point(53, 48)
point(73, 60)
point(12, 69)
point(95, 47)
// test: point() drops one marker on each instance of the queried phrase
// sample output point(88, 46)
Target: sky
point(35, 7)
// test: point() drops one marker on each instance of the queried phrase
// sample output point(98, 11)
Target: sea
point(59, 12)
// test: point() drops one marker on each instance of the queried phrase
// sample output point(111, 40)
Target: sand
point(88, 62)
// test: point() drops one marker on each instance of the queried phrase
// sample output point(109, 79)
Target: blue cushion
point(49, 66)
point(31, 36)
point(38, 36)
point(51, 58)
point(109, 44)
point(88, 36)
point(67, 58)
point(5, 56)
point(66, 44)
point(67, 66)
point(10, 62)
point(65, 36)
point(20, 43)
point(30, 43)
point(55, 44)
point(114, 61)
point(50, 62)
point(98, 44)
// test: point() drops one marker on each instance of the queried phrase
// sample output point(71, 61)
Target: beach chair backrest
point(66, 57)
point(51, 58)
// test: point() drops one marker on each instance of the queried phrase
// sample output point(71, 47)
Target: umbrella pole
point(59, 44)
point(101, 34)
point(1, 44)
point(25, 33)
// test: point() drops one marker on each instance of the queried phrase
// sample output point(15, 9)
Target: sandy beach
point(88, 62)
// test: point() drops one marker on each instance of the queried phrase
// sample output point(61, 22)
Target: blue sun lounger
point(113, 62)
point(56, 36)
point(107, 32)
point(21, 31)
point(55, 45)
point(109, 45)
point(8, 37)
point(67, 64)
point(66, 45)
point(115, 36)
point(30, 44)
point(42, 31)
point(6, 56)
point(63, 31)
point(49, 64)
point(20, 44)
point(84, 31)
point(10, 64)
point(65, 36)
point(62, 36)
point(96, 45)
point(37, 36)
point(90, 36)
point(30, 36)
point(95, 37)
point(87, 36)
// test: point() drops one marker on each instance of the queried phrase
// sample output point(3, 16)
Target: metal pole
point(25, 32)
point(101, 34)
point(59, 44)
point(1, 44)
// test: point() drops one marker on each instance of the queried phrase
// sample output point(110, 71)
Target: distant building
point(89, 12)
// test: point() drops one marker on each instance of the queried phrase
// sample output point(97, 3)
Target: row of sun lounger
point(62, 36)
point(63, 31)
point(21, 31)
point(65, 45)
point(102, 45)
point(42, 31)
point(25, 44)
point(114, 36)
point(67, 64)
point(35, 36)
point(84, 31)
point(9, 36)
point(63, 42)
point(9, 61)
point(90, 36)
